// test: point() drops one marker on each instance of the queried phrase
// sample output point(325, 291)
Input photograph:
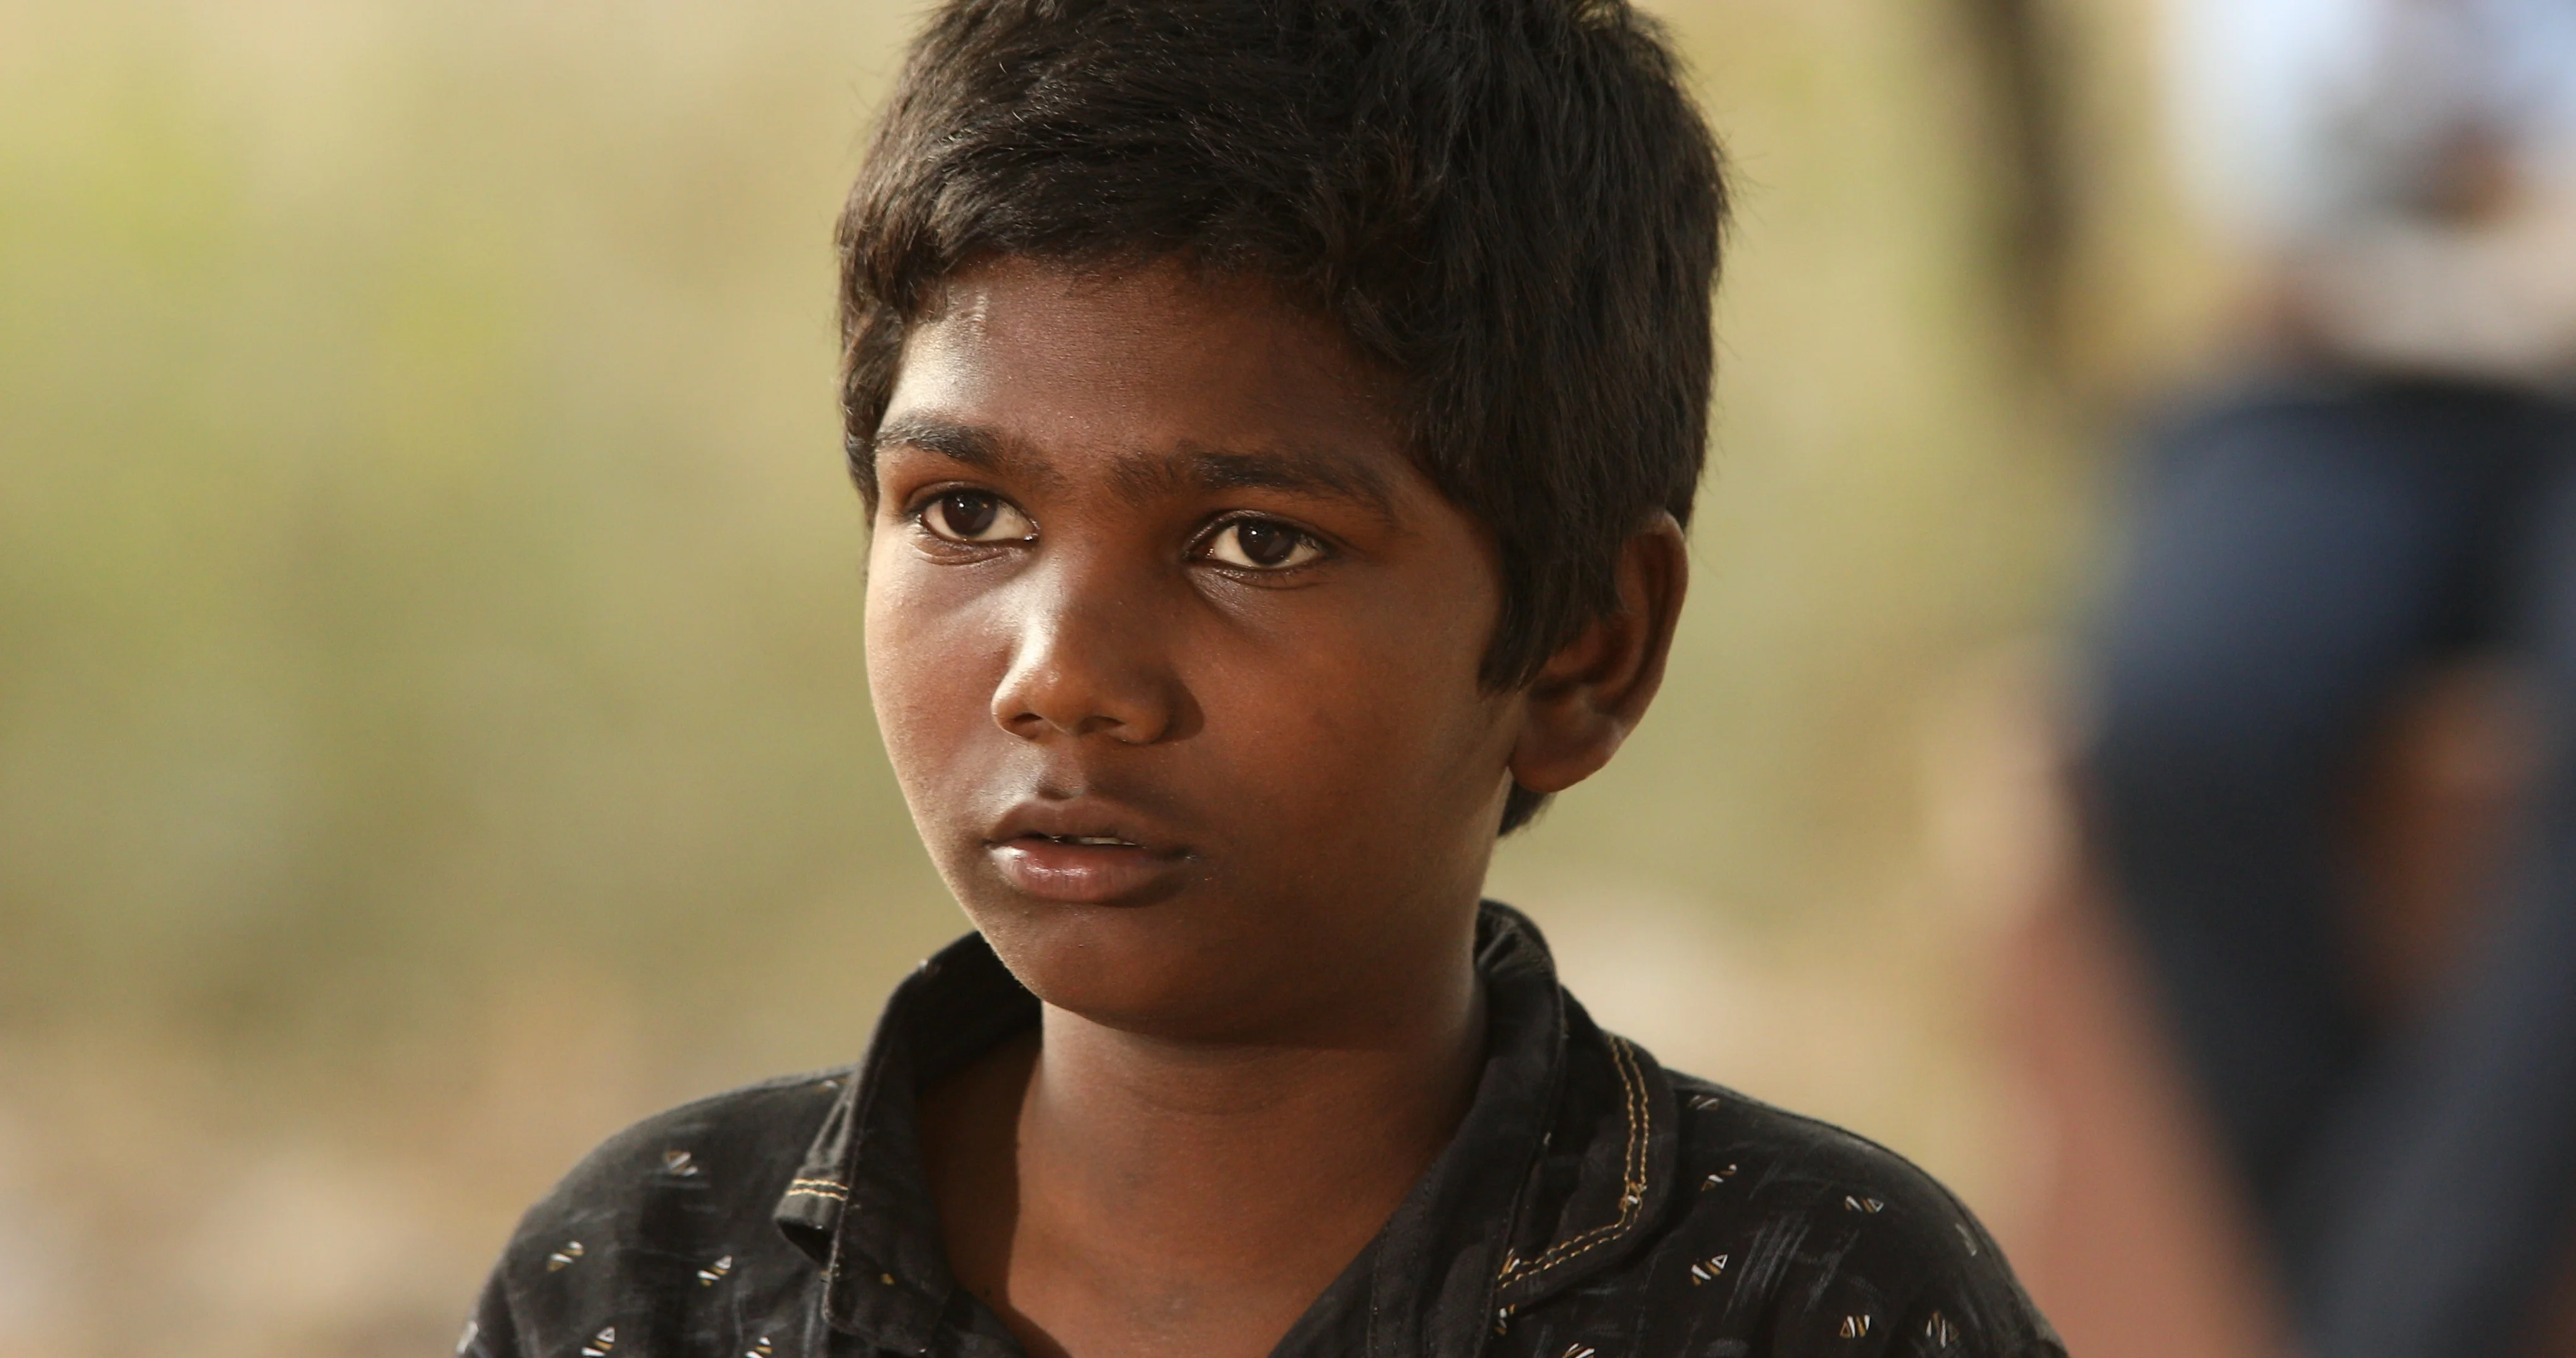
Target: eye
point(975, 516)
point(1261, 545)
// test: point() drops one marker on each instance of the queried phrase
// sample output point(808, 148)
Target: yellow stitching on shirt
point(1632, 1196)
point(819, 1188)
point(1633, 1186)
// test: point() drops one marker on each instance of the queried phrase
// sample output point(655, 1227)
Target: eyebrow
point(1142, 476)
point(976, 447)
point(1298, 471)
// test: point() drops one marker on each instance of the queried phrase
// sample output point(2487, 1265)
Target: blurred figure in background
point(2382, 491)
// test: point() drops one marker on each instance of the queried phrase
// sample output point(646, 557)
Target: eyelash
point(918, 515)
point(1204, 543)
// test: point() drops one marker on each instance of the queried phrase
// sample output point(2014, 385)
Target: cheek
point(1378, 731)
point(924, 665)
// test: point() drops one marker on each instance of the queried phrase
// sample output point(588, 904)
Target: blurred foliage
point(432, 724)
point(422, 541)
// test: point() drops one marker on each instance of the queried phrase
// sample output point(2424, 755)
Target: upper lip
point(1081, 819)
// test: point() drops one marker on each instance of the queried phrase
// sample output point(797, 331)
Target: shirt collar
point(1562, 1162)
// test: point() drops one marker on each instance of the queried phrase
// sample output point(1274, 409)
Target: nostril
point(1087, 674)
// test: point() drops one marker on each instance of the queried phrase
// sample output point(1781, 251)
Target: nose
point(1091, 659)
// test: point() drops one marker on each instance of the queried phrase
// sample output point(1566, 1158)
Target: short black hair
point(1513, 205)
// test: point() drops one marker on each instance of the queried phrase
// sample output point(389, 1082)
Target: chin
point(1157, 970)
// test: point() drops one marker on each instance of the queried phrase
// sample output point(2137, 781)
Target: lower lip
point(1081, 874)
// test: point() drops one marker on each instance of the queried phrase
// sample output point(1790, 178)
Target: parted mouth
point(1088, 841)
point(1085, 851)
point(1082, 823)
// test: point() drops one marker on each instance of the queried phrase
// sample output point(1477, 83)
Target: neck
point(1206, 1147)
point(1154, 1195)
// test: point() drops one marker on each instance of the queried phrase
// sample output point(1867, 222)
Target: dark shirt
point(1591, 1205)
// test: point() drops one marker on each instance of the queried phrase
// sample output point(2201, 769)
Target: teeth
point(1093, 841)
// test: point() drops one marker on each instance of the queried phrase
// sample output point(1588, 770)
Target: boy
point(1277, 418)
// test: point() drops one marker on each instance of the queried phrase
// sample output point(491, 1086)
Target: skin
point(1151, 568)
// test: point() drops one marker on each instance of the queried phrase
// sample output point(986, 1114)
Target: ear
point(1592, 693)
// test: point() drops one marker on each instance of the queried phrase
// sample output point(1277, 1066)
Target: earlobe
point(1595, 690)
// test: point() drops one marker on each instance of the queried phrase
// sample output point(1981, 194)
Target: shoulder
point(1808, 1237)
point(686, 1196)
point(1738, 1152)
point(744, 1144)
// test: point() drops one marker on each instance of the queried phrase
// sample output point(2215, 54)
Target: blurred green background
point(432, 727)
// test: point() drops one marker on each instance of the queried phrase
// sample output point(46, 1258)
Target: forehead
point(1157, 357)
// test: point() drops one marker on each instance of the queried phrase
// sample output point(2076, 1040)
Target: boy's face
point(1175, 653)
